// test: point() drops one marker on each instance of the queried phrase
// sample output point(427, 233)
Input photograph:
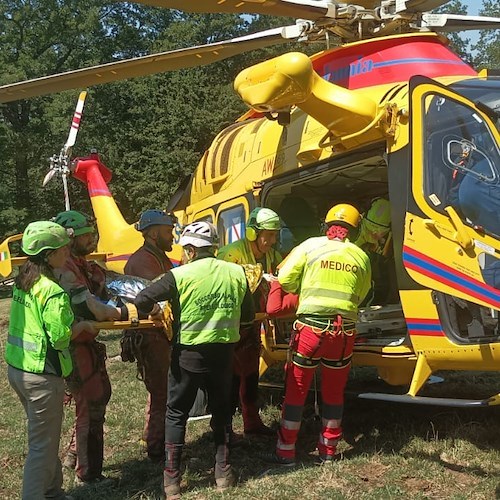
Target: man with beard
point(84, 281)
point(151, 347)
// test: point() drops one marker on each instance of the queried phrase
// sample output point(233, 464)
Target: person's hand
point(269, 277)
point(156, 313)
point(88, 328)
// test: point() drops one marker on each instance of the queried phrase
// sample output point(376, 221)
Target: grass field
point(390, 451)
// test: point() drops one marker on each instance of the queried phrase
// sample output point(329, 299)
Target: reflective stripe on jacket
point(331, 277)
point(38, 317)
point(210, 294)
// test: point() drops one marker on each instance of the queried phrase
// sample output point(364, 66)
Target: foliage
point(488, 46)
point(459, 41)
point(151, 131)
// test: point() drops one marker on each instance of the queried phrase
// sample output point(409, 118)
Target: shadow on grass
point(370, 428)
point(133, 479)
point(374, 427)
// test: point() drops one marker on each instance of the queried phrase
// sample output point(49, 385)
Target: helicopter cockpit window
point(231, 224)
point(461, 163)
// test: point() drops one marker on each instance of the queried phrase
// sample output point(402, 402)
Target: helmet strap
point(188, 254)
point(256, 250)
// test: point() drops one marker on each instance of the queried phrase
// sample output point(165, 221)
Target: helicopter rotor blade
point(455, 22)
point(299, 9)
point(48, 177)
point(75, 123)
point(146, 65)
point(418, 5)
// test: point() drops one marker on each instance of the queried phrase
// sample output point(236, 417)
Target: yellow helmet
point(343, 214)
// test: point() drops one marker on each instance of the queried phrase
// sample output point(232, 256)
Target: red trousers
point(155, 360)
point(331, 351)
point(245, 384)
point(90, 387)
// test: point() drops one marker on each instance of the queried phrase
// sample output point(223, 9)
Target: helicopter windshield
point(462, 163)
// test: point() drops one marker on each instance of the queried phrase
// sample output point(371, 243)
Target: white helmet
point(199, 234)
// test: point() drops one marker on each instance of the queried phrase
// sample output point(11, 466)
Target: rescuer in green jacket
point(375, 239)
point(261, 234)
point(209, 297)
point(40, 329)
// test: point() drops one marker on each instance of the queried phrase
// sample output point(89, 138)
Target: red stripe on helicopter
point(378, 62)
point(425, 327)
point(425, 265)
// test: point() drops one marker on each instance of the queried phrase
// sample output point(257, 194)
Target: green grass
point(389, 452)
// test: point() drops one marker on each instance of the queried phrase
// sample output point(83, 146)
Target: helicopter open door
point(452, 227)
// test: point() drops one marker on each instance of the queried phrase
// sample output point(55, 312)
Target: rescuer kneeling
point(332, 276)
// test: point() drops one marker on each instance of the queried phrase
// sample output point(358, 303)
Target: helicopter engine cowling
point(290, 79)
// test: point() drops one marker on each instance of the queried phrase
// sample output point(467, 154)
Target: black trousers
point(208, 368)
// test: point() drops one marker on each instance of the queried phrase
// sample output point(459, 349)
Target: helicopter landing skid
point(424, 400)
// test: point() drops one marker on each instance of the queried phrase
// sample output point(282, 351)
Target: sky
point(473, 9)
point(474, 6)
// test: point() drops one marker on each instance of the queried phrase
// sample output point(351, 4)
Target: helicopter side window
point(231, 224)
point(462, 163)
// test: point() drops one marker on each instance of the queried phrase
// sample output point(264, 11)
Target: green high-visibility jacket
point(210, 294)
point(40, 319)
point(240, 252)
point(331, 277)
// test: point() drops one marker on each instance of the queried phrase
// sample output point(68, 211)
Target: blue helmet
point(155, 218)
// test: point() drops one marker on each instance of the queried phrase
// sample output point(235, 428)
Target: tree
point(458, 41)
point(488, 45)
point(40, 37)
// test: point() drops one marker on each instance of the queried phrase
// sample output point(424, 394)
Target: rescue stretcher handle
point(144, 323)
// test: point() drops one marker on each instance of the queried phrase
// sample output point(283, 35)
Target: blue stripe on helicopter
point(423, 326)
point(473, 287)
point(420, 60)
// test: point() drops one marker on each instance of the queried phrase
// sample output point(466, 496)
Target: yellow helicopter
point(392, 112)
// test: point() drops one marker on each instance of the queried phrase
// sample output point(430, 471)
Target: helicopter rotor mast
point(60, 164)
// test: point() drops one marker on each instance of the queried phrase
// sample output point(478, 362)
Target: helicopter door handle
point(461, 236)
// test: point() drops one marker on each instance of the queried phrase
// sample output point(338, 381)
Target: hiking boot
point(94, 481)
point(69, 461)
point(172, 485)
point(224, 477)
point(236, 440)
point(273, 458)
point(63, 496)
point(261, 430)
point(325, 459)
point(173, 491)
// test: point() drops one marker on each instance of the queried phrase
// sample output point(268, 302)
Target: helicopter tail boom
point(116, 235)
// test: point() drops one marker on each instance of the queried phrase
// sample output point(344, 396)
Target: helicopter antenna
point(60, 164)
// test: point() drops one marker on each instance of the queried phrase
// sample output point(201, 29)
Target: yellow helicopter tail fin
point(6, 261)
